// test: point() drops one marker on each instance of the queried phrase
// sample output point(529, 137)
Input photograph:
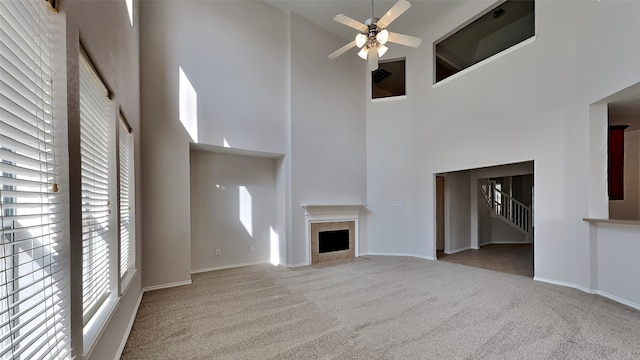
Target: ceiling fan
point(373, 34)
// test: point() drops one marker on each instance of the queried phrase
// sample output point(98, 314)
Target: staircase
point(510, 210)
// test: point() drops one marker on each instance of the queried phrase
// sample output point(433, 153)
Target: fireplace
point(328, 241)
point(333, 240)
point(332, 232)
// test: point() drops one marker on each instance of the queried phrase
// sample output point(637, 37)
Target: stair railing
point(506, 207)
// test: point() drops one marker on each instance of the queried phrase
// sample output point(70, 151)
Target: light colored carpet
point(379, 308)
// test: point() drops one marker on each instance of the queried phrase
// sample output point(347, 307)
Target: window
point(499, 29)
point(34, 296)
point(97, 249)
point(127, 223)
point(389, 79)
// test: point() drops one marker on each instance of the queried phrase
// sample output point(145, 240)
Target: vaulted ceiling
point(421, 15)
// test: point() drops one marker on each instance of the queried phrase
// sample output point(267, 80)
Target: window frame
point(402, 60)
point(484, 59)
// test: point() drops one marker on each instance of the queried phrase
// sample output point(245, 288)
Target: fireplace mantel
point(327, 213)
point(340, 210)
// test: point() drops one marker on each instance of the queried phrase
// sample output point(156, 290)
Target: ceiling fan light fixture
point(361, 39)
point(382, 50)
point(382, 36)
point(372, 34)
point(363, 53)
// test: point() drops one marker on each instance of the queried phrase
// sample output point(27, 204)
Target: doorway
point(484, 217)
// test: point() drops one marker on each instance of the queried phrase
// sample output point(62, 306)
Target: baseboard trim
point(565, 284)
point(587, 290)
point(618, 299)
point(425, 257)
point(232, 266)
point(167, 286)
point(129, 327)
point(399, 254)
point(458, 250)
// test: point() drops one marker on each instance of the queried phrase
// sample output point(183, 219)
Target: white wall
point(227, 218)
point(105, 32)
point(165, 157)
point(629, 208)
point(503, 233)
point(235, 56)
point(457, 211)
point(327, 128)
point(483, 221)
point(617, 263)
point(537, 95)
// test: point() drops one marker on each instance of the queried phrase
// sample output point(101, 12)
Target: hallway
point(509, 258)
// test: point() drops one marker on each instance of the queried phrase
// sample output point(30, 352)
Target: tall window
point(127, 223)
point(95, 117)
point(34, 299)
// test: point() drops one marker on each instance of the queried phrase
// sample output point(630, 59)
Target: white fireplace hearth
point(331, 217)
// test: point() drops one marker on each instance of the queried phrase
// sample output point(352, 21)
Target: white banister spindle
point(503, 205)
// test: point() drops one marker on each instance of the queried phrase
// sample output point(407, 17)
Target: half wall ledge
point(612, 221)
point(614, 246)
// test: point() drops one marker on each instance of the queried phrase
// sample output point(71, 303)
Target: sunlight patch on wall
point(225, 143)
point(130, 10)
point(246, 216)
point(188, 106)
point(275, 247)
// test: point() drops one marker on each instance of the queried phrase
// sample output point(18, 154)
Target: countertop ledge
point(612, 221)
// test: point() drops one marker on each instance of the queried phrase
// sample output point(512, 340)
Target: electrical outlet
point(252, 248)
point(218, 252)
point(396, 241)
point(399, 206)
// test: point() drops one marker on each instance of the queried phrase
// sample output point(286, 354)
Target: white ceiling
point(414, 21)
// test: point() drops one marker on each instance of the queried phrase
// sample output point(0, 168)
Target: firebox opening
point(333, 240)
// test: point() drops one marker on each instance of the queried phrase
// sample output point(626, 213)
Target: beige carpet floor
point(379, 308)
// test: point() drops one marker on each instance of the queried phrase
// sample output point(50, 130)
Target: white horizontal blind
point(127, 254)
point(33, 249)
point(94, 140)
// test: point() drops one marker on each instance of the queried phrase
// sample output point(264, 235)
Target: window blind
point(94, 157)
point(127, 244)
point(34, 299)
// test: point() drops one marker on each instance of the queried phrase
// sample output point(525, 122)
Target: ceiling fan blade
point(345, 20)
point(372, 58)
point(396, 10)
point(406, 40)
point(342, 50)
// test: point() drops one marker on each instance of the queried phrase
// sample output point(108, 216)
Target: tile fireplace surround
point(331, 217)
